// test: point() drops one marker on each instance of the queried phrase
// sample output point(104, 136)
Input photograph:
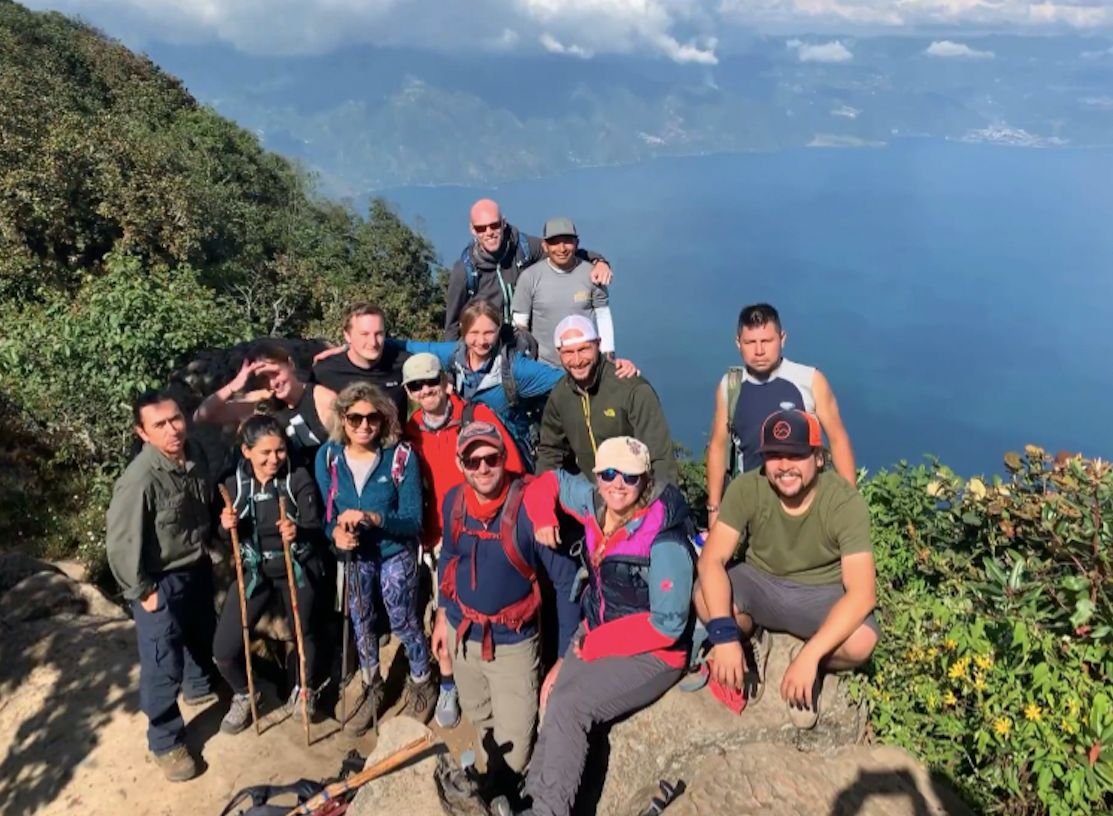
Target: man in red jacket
point(433, 430)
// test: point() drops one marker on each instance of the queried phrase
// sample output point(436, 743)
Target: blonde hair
point(390, 431)
point(477, 309)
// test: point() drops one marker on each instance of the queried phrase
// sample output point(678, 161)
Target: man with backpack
point(489, 603)
point(433, 430)
point(490, 264)
point(747, 394)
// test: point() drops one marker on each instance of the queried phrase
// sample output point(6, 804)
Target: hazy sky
point(693, 31)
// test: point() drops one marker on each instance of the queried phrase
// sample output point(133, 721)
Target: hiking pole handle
point(380, 768)
point(291, 585)
point(243, 610)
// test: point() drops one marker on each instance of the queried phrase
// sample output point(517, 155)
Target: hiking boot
point(448, 708)
point(367, 711)
point(805, 718)
point(239, 714)
point(201, 699)
point(421, 698)
point(177, 764)
point(756, 650)
point(293, 704)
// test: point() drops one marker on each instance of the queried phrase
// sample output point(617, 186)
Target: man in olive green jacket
point(159, 521)
point(591, 404)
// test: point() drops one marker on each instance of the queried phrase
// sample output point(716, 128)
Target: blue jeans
point(175, 651)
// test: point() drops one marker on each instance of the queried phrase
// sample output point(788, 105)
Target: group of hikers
point(532, 474)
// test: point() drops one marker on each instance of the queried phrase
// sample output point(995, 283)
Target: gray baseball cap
point(559, 226)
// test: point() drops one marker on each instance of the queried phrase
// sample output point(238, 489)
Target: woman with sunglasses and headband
point(372, 490)
point(637, 603)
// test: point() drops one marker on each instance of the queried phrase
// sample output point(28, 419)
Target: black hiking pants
point(228, 641)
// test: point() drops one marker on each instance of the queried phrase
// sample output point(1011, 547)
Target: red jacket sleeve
point(540, 500)
point(629, 635)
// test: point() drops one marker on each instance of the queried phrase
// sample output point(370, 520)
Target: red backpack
point(516, 615)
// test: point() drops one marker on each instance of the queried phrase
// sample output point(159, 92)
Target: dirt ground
point(72, 740)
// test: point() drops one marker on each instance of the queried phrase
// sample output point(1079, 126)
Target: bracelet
point(712, 508)
point(722, 630)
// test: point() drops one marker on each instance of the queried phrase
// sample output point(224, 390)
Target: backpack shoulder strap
point(735, 375)
point(333, 483)
point(456, 515)
point(467, 416)
point(509, 383)
point(471, 275)
point(508, 527)
point(523, 250)
point(398, 465)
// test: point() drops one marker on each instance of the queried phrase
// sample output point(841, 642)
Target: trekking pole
point(345, 561)
point(297, 625)
point(243, 611)
point(380, 768)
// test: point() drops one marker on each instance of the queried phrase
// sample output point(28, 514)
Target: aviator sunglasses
point(494, 226)
point(355, 420)
point(610, 474)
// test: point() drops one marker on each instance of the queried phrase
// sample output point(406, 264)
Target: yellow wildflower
point(979, 681)
point(984, 661)
point(915, 654)
point(934, 488)
point(932, 653)
point(1067, 726)
point(950, 644)
point(932, 701)
point(958, 668)
point(1002, 726)
point(949, 698)
point(1032, 713)
point(977, 488)
point(1073, 707)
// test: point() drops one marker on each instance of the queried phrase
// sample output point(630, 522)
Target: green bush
point(996, 660)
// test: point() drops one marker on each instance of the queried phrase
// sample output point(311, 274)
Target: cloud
point(833, 51)
point(953, 50)
point(685, 31)
point(846, 111)
point(555, 46)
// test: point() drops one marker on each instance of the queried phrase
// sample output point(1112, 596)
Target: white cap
point(577, 323)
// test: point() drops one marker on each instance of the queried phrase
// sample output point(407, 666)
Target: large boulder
point(407, 790)
point(49, 594)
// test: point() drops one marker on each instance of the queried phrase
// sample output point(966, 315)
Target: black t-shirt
point(338, 371)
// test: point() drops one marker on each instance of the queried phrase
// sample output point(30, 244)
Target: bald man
point(490, 265)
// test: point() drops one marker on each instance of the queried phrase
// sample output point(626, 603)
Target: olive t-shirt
point(804, 548)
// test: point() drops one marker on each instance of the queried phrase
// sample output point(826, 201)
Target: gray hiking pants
point(586, 694)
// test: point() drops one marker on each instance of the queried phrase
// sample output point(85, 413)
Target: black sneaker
point(367, 712)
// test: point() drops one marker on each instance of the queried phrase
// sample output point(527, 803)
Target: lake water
point(958, 297)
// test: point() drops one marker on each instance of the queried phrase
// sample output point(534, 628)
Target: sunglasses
point(610, 474)
point(416, 385)
point(473, 462)
point(355, 420)
point(494, 226)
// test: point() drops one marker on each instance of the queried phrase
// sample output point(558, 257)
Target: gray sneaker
point(177, 764)
point(204, 698)
point(756, 650)
point(448, 708)
point(293, 704)
point(806, 718)
point(239, 714)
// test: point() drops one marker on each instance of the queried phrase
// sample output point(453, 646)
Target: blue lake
point(958, 297)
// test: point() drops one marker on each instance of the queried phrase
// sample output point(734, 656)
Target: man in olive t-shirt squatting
point(807, 568)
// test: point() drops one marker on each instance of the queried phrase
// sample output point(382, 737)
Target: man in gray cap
point(559, 285)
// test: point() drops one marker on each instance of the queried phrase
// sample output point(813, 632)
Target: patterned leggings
point(397, 578)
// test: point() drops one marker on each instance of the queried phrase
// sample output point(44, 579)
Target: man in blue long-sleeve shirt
point(489, 602)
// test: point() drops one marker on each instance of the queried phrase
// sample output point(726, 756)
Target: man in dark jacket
point(490, 265)
point(159, 521)
point(591, 404)
point(490, 599)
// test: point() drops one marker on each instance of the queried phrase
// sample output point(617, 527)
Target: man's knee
point(858, 647)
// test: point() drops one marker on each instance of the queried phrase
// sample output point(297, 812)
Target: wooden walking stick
point(243, 611)
point(297, 624)
point(380, 768)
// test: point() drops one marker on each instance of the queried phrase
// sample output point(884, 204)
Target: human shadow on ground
point(91, 660)
point(894, 785)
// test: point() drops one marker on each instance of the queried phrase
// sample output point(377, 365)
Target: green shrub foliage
point(996, 660)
